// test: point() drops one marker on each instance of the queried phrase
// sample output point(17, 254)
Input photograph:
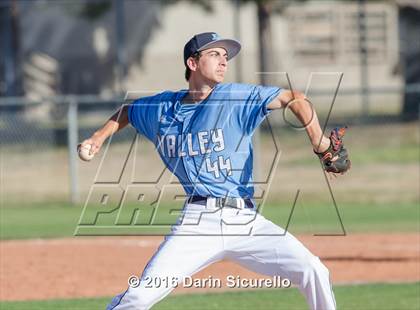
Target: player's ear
point(192, 63)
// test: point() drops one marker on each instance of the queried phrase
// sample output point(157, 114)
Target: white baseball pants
point(206, 234)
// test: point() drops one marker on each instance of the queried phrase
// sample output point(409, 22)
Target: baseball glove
point(335, 159)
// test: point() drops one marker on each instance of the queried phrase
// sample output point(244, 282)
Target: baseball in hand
point(84, 152)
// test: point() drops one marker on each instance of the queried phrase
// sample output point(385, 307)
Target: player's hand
point(95, 143)
point(335, 158)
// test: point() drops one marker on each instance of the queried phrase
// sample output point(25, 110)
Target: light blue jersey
point(207, 145)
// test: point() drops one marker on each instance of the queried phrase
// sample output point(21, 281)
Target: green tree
point(265, 10)
point(409, 27)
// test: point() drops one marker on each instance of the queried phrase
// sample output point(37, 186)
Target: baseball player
point(204, 136)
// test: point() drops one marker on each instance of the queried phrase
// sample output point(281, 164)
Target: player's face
point(212, 64)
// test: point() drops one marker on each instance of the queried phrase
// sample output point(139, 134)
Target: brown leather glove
point(335, 159)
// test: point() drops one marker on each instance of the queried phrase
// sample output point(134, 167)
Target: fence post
point(363, 52)
point(72, 140)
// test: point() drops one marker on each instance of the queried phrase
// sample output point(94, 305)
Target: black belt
point(222, 202)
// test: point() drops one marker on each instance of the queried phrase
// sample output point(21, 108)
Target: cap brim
point(232, 47)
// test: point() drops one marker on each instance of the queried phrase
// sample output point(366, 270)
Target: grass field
point(385, 166)
point(386, 143)
point(360, 297)
point(60, 220)
point(380, 194)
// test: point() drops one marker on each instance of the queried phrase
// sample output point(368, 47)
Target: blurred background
point(66, 66)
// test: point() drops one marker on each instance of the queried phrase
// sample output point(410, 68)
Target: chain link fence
point(38, 143)
point(39, 162)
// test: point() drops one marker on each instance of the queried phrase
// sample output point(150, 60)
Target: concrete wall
point(162, 66)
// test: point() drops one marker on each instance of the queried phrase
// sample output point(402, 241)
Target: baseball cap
point(206, 40)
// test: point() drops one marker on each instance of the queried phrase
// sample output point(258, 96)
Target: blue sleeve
point(254, 107)
point(143, 115)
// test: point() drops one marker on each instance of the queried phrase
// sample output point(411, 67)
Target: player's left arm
point(333, 155)
point(304, 111)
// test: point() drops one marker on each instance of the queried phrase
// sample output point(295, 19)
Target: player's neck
point(198, 91)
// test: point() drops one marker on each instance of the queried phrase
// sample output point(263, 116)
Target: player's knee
point(311, 268)
point(315, 268)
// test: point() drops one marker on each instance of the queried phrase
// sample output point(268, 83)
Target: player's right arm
point(115, 123)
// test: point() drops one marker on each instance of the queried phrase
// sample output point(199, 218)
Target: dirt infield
point(90, 267)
